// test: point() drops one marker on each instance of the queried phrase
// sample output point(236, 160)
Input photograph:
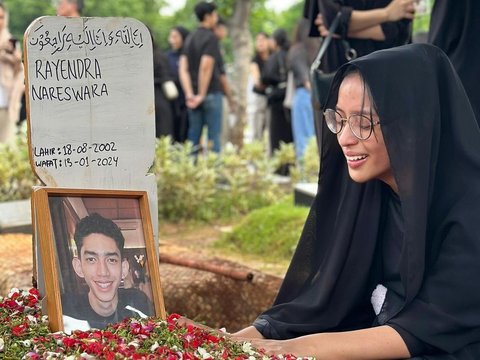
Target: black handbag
point(320, 81)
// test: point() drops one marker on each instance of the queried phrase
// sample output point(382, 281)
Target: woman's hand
point(400, 9)
point(322, 27)
point(183, 321)
point(278, 347)
point(381, 342)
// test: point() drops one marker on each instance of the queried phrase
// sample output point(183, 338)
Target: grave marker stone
point(91, 107)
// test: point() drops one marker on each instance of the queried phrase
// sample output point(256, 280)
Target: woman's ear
point(77, 266)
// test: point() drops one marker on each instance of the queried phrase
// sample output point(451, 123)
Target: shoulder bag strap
point(350, 53)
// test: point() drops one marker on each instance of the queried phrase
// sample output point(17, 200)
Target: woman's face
point(175, 39)
point(366, 159)
point(262, 43)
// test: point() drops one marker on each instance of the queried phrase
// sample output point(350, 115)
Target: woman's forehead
point(352, 88)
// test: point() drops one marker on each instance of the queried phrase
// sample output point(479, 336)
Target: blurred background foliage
point(23, 12)
point(206, 189)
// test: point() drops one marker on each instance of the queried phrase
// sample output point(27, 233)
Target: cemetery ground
point(185, 240)
point(248, 228)
point(219, 299)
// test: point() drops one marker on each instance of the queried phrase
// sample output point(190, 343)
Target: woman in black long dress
point(176, 39)
point(454, 28)
point(389, 260)
point(274, 77)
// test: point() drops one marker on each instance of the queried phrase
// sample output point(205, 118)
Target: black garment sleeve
point(161, 68)
point(310, 11)
point(328, 9)
point(342, 29)
point(396, 33)
point(415, 346)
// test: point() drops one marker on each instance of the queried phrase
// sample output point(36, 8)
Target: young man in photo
point(101, 263)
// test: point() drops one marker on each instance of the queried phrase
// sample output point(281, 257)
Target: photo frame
point(91, 276)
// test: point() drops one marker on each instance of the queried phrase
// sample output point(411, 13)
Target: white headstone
point(89, 87)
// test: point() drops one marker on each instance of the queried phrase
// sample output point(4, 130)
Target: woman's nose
point(345, 137)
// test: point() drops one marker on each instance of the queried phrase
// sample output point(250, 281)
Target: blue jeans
point(303, 127)
point(208, 113)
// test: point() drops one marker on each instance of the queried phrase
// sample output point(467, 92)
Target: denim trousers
point(208, 113)
point(303, 127)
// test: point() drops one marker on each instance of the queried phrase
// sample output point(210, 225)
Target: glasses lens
point(361, 126)
point(333, 120)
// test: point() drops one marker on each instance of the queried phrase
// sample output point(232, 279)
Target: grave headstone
point(90, 100)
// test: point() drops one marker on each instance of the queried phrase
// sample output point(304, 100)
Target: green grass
point(271, 232)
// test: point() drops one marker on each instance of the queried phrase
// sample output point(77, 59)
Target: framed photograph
point(98, 260)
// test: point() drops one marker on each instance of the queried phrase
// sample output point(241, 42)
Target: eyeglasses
point(360, 125)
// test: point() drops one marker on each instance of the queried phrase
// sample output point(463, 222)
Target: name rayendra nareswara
point(64, 70)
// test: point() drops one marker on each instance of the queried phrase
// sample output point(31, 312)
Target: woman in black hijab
point(389, 260)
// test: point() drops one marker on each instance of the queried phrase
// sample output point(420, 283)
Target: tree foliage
point(261, 18)
point(23, 12)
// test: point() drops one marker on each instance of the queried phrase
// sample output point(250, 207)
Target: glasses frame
point(347, 120)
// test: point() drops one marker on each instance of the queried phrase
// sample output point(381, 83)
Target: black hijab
point(433, 142)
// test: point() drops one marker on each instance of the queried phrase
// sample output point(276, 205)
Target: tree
point(241, 41)
point(23, 12)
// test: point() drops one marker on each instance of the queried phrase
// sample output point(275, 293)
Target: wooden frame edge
point(40, 205)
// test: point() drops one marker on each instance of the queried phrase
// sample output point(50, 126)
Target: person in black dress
point(365, 26)
point(388, 262)
point(454, 28)
point(274, 77)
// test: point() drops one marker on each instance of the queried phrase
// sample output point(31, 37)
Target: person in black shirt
point(454, 28)
point(100, 262)
point(365, 26)
point(200, 82)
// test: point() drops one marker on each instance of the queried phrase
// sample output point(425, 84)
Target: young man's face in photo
point(101, 265)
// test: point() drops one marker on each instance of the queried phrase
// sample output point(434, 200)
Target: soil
point(179, 239)
point(15, 261)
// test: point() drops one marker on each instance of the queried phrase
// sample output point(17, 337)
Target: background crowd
point(197, 102)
